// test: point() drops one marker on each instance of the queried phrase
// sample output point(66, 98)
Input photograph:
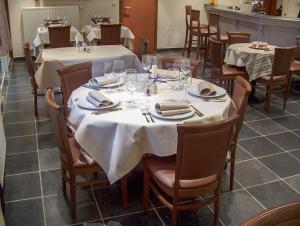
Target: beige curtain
point(4, 31)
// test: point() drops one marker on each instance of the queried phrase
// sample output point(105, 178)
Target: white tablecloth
point(94, 32)
point(53, 59)
point(118, 140)
point(42, 36)
point(258, 63)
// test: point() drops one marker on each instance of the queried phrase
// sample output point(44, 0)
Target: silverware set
point(197, 111)
point(146, 115)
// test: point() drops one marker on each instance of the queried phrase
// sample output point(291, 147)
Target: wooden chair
point(72, 161)
point(59, 36)
point(188, 9)
point(195, 171)
point(280, 75)
point(143, 47)
point(72, 77)
point(167, 62)
point(31, 71)
point(225, 73)
point(238, 37)
point(110, 34)
point(198, 34)
point(295, 67)
point(241, 91)
point(285, 215)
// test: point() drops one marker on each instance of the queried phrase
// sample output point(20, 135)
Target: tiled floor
point(267, 172)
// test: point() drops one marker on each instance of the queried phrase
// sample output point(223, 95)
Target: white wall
point(290, 8)
point(171, 21)
point(15, 10)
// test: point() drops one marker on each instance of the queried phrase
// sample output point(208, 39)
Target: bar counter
point(275, 30)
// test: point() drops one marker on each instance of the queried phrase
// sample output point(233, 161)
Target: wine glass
point(108, 73)
point(187, 77)
point(146, 62)
point(131, 85)
point(118, 70)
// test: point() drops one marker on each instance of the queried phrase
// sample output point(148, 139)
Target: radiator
point(32, 18)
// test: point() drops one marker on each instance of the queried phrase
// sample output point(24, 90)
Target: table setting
point(117, 126)
point(256, 57)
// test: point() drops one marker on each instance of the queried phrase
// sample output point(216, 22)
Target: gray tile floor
point(267, 174)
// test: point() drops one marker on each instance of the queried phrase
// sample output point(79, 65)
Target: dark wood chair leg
point(174, 212)
point(73, 194)
point(217, 207)
point(63, 181)
point(232, 168)
point(268, 98)
point(198, 46)
point(124, 190)
point(190, 44)
point(36, 114)
point(286, 93)
point(185, 41)
point(146, 190)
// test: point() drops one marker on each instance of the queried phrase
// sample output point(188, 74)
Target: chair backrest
point(59, 126)
point(59, 36)
point(297, 52)
point(188, 9)
point(168, 62)
point(202, 149)
point(110, 34)
point(241, 91)
point(216, 55)
point(74, 76)
point(282, 61)
point(285, 215)
point(214, 25)
point(29, 63)
point(194, 21)
point(238, 37)
point(143, 47)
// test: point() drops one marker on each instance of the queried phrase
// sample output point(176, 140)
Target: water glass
point(131, 85)
point(118, 70)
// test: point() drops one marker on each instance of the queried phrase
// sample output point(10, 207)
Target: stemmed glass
point(186, 71)
point(118, 70)
point(108, 73)
point(131, 85)
point(146, 62)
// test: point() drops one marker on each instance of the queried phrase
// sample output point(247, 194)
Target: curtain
point(6, 45)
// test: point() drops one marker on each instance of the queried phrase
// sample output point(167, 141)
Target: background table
point(119, 140)
point(53, 59)
point(94, 32)
point(258, 63)
point(42, 36)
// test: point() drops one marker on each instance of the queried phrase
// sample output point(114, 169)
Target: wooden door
point(141, 17)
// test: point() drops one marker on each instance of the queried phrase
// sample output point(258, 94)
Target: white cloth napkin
point(98, 99)
point(161, 73)
point(172, 108)
point(102, 81)
point(206, 89)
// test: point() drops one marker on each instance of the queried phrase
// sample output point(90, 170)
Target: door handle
point(127, 7)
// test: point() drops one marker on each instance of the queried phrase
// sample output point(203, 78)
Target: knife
point(197, 111)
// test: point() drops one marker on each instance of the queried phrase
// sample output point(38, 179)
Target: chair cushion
point(163, 169)
point(295, 68)
point(231, 70)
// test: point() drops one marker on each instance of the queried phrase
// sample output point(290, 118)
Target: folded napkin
point(102, 81)
point(206, 89)
point(172, 108)
point(98, 99)
point(161, 73)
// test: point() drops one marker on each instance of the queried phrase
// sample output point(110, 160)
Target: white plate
point(83, 103)
point(193, 90)
point(172, 117)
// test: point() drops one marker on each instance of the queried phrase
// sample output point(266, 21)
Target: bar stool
point(198, 33)
point(215, 33)
point(188, 9)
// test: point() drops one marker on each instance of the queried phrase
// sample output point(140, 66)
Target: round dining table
point(119, 139)
point(258, 62)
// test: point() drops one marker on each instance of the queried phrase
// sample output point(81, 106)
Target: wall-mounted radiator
point(32, 18)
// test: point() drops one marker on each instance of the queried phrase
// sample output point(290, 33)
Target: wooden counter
point(281, 31)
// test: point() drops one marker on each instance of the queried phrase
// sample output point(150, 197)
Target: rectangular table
point(53, 59)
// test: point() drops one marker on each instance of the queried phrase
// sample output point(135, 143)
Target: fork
point(145, 114)
point(150, 115)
